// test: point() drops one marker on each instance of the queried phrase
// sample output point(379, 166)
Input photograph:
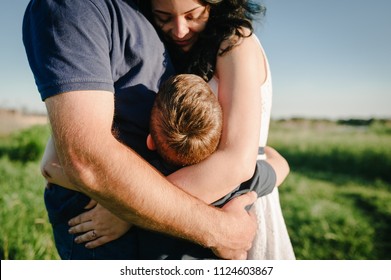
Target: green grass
point(25, 232)
point(336, 200)
point(335, 217)
point(363, 151)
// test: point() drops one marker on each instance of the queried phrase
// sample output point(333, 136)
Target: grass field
point(336, 200)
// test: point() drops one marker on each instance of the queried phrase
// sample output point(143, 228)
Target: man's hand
point(240, 230)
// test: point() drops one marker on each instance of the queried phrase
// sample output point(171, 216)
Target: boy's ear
point(150, 143)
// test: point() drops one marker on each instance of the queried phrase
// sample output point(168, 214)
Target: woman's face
point(181, 21)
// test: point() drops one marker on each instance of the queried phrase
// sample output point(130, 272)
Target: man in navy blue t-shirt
point(98, 65)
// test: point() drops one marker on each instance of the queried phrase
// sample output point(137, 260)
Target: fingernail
point(77, 240)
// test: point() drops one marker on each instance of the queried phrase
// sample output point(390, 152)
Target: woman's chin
point(185, 49)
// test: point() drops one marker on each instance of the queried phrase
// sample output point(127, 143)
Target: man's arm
point(124, 183)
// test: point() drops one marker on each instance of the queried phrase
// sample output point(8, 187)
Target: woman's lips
point(182, 43)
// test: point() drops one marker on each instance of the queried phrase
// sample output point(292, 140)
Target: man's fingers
point(247, 199)
point(240, 256)
point(243, 256)
point(232, 255)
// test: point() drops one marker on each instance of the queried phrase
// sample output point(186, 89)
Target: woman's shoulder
point(246, 55)
point(246, 39)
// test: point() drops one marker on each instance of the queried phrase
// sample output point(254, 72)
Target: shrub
point(27, 145)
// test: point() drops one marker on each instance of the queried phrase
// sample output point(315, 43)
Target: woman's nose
point(180, 28)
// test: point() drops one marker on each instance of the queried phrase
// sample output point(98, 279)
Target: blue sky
point(329, 59)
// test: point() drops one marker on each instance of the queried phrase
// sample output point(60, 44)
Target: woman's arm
point(241, 72)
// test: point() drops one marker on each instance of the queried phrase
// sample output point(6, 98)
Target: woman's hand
point(97, 226)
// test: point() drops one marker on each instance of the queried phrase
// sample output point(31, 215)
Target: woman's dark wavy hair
point(226, 20)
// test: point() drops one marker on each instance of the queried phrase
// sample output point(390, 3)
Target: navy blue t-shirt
point(96, 45)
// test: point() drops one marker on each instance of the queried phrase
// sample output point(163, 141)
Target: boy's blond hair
point(186, 120)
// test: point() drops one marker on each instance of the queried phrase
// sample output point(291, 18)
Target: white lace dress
point(272, 241)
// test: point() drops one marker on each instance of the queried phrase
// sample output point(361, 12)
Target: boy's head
point(186, 120)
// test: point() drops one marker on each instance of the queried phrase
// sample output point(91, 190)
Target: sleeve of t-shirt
point(68, 46)
point(264, 179)
point(262, 182)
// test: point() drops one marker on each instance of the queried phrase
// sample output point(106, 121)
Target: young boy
point(186, 121)
point(185, 128)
